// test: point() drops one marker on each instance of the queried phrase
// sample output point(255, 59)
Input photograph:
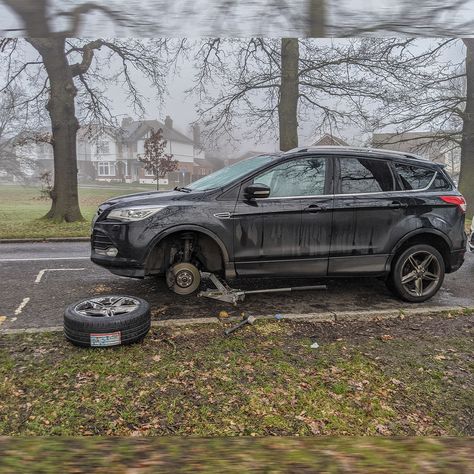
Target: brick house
point(109, 154)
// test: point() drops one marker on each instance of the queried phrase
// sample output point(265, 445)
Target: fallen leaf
point(386, 337)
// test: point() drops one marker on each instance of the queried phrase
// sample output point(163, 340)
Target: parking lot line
point(22, 306)
point(42, 272)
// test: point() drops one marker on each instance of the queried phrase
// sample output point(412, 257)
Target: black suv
point(312, 212)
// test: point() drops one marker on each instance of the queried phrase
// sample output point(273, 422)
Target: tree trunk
point(316, 18)
point(466, 178)
point(33, 14)
point(64, 124)
point(157, 182)
point(289, 94)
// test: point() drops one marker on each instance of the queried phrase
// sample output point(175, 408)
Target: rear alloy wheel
point(417, 274)
point(183, 278)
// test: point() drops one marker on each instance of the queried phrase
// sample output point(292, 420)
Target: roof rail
point(379, 151)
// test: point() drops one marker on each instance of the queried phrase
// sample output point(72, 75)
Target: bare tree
point(65, 70)
point(466, 178)
point(13, 130)
point(270, 18)
point(430, 18)
point(435, 95)
point(274, 84)
point(155, 159)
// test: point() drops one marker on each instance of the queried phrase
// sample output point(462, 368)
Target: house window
point(103, 147)
point(149, 173)
point(106, 168)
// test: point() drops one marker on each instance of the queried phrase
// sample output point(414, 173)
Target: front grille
point(101, 241)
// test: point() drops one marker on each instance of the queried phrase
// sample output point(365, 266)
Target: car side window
point(304, 177)
point(441, 184)
point(361, 175)
point(414, 177)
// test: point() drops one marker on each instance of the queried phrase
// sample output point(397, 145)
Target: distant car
point(471, 237)
point(310, 212)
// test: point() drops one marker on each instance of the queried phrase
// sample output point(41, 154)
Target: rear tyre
point(417, 274)
point(107, 321)
point(183, 278)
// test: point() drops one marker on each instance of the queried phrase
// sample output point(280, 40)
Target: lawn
point(262, 455)
point(21, 211)
point(410, 376)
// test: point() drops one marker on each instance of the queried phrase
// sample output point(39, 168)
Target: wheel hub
point(184, 279)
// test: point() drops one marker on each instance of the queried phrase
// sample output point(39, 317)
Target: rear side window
point(414, 177)
point(361, 175)
point(441, 183)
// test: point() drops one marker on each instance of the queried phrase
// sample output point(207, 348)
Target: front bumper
point(127, 262)
point(119, 266)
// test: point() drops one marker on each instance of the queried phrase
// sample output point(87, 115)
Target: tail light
point(456, 200)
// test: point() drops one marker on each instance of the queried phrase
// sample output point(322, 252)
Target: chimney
point(126, 121)
point(197, 135)
point(169, 122)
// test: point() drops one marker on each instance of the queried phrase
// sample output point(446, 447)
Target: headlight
point(134, 213)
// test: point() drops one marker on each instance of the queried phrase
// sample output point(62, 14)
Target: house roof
point(203, 163)
point(137, 129)
point(330, 140)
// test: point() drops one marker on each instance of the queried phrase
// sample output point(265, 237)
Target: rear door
point(367, 207)
point(268, 232)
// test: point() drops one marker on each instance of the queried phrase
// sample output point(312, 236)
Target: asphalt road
point(37, 281)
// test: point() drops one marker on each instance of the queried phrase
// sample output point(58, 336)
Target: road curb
point(45, 240)
point(331, 317)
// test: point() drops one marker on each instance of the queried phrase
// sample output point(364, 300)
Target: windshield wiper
point(182, 189)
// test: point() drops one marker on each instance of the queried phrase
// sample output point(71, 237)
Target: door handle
point(398, 205)
point(314, 208)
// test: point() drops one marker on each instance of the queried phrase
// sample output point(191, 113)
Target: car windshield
point(230, 173)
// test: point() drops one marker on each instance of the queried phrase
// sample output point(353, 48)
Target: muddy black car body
point(315, 212)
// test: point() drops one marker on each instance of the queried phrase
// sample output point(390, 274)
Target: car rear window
point(414, 177)
point(361, 175)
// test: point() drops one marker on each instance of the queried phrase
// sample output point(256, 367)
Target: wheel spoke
point(118, 302)
point(107, 306)
point(424, 264)
point(409, 277)
point(419, 286)
point(430, 276)
point(413, 262)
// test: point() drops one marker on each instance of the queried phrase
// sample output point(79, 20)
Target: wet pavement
point(37, 282)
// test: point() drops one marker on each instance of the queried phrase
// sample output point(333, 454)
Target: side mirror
point(256, 190)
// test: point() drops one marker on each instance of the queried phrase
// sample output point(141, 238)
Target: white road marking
point(41, 259)
point(42, 272)
point(22, 306)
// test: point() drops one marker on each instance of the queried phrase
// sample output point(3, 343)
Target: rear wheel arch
point(435, 238)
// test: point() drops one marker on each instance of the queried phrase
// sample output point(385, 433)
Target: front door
point(271, 234)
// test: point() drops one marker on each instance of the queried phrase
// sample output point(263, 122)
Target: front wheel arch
point(213, 250)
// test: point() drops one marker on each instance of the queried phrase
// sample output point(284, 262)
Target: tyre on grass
point(107, 321)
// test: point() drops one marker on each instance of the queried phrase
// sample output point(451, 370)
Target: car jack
point(223, 292)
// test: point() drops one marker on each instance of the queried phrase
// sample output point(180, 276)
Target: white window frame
point(106, 168)
point(103, 147)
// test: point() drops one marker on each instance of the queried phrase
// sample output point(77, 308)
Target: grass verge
point(21, 211)
point(395, 379)
point(272, 455)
